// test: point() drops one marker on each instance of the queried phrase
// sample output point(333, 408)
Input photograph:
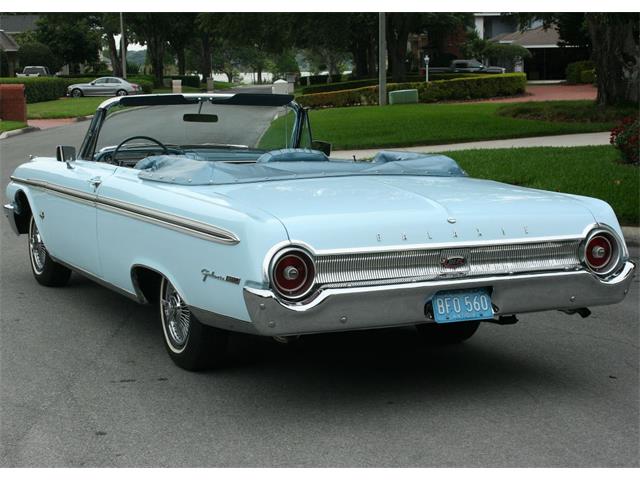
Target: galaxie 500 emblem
point(453, 262)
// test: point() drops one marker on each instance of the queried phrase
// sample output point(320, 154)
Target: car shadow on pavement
point(357, 364)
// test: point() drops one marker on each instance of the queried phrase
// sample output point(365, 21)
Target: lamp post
point(123, 49)
point(382, 60)
point(426, 68)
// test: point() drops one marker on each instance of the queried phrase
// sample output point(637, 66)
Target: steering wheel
point(165, 150)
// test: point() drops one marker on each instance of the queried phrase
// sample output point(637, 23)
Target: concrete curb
point(83, 118)
point(632, 235)
point(19, 131)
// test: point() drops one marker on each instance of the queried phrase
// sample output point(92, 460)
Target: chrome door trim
point(149, 215)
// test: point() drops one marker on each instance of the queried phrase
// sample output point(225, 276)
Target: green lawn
point(591, 171)
point(7, 125)
point(431, 124)
point(64, 107)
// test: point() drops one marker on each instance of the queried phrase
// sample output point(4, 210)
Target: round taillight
point(292, 273)
point(601, 252)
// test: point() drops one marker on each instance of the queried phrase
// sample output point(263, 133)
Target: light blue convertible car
point(224, 213)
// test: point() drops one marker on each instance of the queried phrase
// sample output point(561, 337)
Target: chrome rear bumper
point(404, 304)
point(9, 211)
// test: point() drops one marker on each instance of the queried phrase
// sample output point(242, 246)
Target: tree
point(363, 43)
point(36, 53)
point(70, 36)
point(182, 34)
point(108, 24)
point(227, 59)
point(153, 30)
point(326, 38)
point(261, 35)
point(616, 52)
point(438, 26)
point(614, 42)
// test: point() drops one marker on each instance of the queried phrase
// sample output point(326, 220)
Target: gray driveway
point(85, 381)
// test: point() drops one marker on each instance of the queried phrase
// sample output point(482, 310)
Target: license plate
point(462, 305)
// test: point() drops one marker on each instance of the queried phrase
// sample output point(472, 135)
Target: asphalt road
point(85, 381)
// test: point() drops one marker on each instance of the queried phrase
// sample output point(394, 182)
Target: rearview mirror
point(65, 153)
point(324, 147)
point(200, 117)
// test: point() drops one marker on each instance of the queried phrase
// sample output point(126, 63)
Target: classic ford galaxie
point(224, 213)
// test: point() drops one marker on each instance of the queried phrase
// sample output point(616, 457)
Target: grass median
point(590, 171)
point(434, 124)
point(8, 125)
point(64, 107)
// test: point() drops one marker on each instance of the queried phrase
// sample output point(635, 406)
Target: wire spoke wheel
point(176, 317)
point(37, 249)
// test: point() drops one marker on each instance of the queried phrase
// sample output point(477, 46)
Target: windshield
point(199, 125)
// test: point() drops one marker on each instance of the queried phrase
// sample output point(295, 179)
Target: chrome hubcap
point(176, 317)
point(37, 250)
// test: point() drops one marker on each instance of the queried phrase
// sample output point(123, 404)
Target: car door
point(66, 212)
point(99, 87)
point(113, 85)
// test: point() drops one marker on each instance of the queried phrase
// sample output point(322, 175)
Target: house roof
point(18, 23)
point(7, 43)
point(532, 38)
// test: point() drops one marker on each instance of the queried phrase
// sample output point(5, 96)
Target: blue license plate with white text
point(462, 305)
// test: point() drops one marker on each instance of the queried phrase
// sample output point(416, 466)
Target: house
point(10, 48)
point(11, 25)
point(548, 60)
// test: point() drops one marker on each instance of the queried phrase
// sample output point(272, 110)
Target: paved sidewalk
point(544, 93)
point(43, 124)
point(575, 140)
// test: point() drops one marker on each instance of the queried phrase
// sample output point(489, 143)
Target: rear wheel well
point(22, 212)
point(146, 282)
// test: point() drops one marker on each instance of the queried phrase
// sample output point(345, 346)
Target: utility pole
point(123, 49)
point(382, 59)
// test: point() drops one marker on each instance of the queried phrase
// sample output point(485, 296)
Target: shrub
point(625, 138)
point(187, 80)
point(575, 69)
point(147, 86)
point(476, 86)
point(588, 76)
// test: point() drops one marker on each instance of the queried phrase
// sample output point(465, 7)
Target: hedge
point(367, 82)
point(42, 89)
point(476, 86)
point(187, 80)
point(574, 70)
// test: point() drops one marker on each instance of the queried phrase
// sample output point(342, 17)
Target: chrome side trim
point(65, 192)
point(192, 227)
point(175, 222)
point(10, 213)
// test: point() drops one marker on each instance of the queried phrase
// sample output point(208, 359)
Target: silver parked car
point(104, 86)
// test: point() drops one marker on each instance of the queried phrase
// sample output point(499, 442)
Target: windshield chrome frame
point(88, 148)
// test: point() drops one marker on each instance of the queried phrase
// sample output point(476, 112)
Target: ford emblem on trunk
point(453, 262)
